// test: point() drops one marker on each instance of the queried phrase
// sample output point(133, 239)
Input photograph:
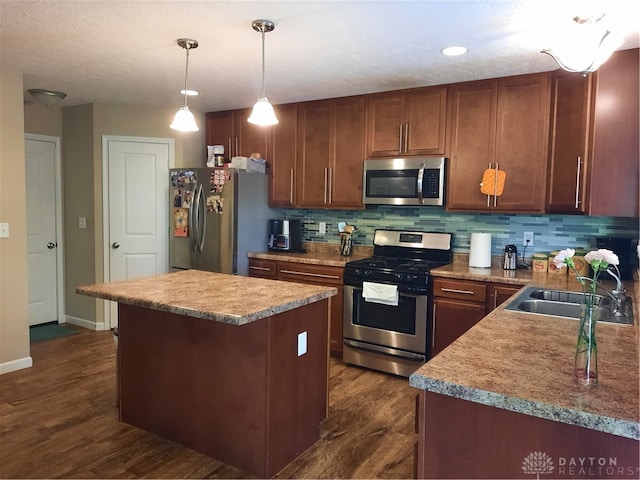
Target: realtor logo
point(537, 463)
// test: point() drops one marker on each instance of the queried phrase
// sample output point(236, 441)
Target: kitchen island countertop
point(524, 363)
point(220, 297)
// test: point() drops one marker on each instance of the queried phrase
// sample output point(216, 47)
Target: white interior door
point(138, 209)
point(42, 163)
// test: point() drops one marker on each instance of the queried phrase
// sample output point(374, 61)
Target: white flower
point(602, 255)
point(564, 257)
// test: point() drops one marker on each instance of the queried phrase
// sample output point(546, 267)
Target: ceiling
point(125, 51)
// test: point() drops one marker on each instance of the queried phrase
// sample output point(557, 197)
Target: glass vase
point(586, 361)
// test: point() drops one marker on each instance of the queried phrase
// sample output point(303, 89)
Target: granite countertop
point(524, 363)
point(212, 296)
point(317, 253)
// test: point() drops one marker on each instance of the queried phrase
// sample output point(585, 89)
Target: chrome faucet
point(618, 294)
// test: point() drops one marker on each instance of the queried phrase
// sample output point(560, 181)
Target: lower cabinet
point(459, 304)
point(312, 274)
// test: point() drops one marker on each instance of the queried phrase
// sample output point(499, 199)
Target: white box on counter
point(249, 164)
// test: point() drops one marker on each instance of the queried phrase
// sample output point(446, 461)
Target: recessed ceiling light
point(191, 93)
point(454, 51)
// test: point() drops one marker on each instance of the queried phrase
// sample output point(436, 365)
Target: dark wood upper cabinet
point(407, 123)
point(614, 174)
point(281, 156)
point(594, 153)
point(499, 124)
point(232, 130)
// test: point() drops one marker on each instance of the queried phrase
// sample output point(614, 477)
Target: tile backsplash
point(551, 232)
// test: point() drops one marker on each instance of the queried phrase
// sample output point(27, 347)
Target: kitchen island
point(233, 367)
point(501, 401)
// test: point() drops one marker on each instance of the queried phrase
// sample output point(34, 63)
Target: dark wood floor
point(58, 419)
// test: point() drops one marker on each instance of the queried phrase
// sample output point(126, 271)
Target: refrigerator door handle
point(193, 222)
point(202, 209)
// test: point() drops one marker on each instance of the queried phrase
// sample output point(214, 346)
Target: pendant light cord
point(263, 90)
point(186, 71)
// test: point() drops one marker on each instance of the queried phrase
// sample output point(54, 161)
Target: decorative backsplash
point(551, 232)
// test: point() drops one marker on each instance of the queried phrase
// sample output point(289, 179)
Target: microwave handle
point(419, 183)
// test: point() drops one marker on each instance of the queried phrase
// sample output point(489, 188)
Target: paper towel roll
point(480, 253)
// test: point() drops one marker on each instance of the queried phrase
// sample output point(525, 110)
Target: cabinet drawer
point(460, 289)
point(305, 273)
point(262, 268)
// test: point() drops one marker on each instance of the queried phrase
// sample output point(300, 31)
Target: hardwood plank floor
point(58, 419)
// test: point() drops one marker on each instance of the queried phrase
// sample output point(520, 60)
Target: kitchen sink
point(566, 304)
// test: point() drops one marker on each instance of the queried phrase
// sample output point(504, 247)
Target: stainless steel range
point(386, 300)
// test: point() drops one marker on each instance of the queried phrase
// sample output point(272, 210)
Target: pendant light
point(262, 113)
point(184, 120)
point(587, 46)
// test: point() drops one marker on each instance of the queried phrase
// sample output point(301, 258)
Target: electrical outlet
point(4, 230)
point(322, 228)
point(527, 241)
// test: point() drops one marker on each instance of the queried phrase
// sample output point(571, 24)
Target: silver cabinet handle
point(51, 245)
point(330, 186)
point(495, 299)
point(237, 153)
point(264, 269)
point(455, 290)
point(578, 182)
point(325, 186)
point(406, 137)
point(488, 196)
point(433, 331)
point(230, 152)
point(400, 140)
point(495, 188)
point(291, 187)
point(308, 274)
point(115, 245)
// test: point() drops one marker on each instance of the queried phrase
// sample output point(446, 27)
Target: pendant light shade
point(262, 113)
point(587, 46)
point(184, 121)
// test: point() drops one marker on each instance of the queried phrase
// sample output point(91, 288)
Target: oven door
point(402, 327)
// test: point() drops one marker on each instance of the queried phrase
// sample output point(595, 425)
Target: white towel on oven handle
point(380, 293)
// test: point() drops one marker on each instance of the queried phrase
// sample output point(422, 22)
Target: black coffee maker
point(624, 248)
point(510, 261)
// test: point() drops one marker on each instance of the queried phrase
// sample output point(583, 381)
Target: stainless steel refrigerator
point(217, 216)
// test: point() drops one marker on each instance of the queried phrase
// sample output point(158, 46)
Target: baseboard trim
point(13, 365)
point(81, 322)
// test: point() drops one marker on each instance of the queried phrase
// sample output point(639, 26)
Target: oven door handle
point(388, 351)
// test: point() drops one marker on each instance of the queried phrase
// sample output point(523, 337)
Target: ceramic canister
point(539, 262)
point(551, 267)
point(582, 267)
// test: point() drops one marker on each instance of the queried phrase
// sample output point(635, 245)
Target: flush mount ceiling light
point(47, 97)
point(586, 46)
point(453, 51)
point(184, 120)
point(262, 113)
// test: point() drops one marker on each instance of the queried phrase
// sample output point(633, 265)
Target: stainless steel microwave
point(404, 181)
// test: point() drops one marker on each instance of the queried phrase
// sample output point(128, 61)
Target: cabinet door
point(385, 124)
point(472, 143)
point(314, 151)
point(347, 159)
point(571, 97)
point(262, 268)
point(615, 169)
point(450, 319)
point(498, 294)
point(282, 157)
point(425, 121)
point(522, 141)
point(219, 127)
point(250, 138)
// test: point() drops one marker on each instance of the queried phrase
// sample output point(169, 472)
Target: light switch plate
point(4, 230)
point(302, 343)
point(82, 223)
point(322, 228)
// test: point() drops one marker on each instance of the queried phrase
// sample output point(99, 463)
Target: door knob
point(51, 245)
point(115, 245)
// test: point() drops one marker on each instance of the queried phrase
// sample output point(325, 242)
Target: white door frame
point(108, 305)
point(59, 225)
